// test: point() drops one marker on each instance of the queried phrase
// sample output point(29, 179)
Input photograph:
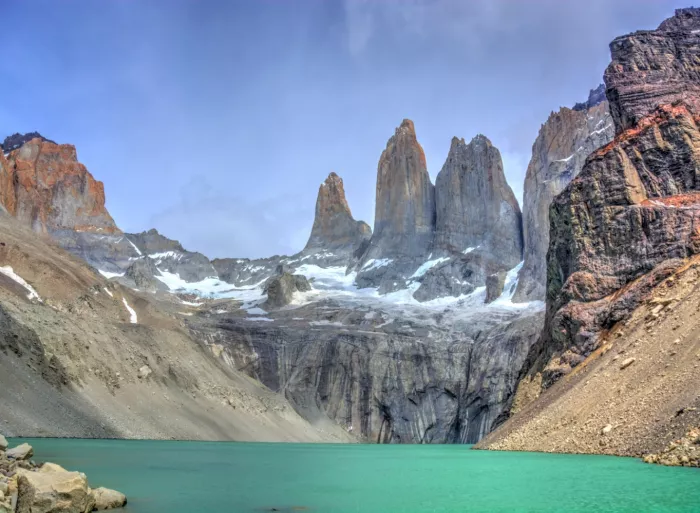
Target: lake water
point(218, 477)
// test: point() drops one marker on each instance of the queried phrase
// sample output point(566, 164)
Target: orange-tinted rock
point(404, 220)
point(43, 185)
point(334, 227)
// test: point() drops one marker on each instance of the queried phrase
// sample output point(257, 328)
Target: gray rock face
point(476, 207)
point(494, 286)
point(404, 220)
point(169, 256)
point(420, 377)
point(558, 155)
point(141, 275)
point(334, 229)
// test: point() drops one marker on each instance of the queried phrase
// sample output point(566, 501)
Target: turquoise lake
point(217, 477)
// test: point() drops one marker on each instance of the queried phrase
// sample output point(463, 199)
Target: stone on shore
point(21, 452)
point(3, 443)
point(53, 492)
point(108, 499)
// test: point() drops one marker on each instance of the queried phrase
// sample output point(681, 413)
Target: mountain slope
point(74, 362)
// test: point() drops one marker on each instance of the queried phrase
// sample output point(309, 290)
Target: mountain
point(558, 154)
point(346, 354)
point(334, 228)
point(622, 264)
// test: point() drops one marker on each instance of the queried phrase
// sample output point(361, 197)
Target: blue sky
point(216, 120)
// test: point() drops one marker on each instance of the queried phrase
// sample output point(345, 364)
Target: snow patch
point(132, 313)
point(264, 319)
point(109, 292)
point(134, 246)
point(375, 264)
point(166, 254)
point(10, 273)
point(255, 311)
point(110, 275)
point(326, 323)
point(427, 266)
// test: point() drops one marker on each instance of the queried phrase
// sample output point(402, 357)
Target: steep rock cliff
point(654, 67)
point(334, 228)
point(404, 220)
point(476, 208)
point(558, 155)
point(44, 186)
point(630, 218)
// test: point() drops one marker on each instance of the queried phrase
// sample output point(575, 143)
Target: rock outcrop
point(334, 229)
point(476, 208)
point(654, 67)
point(43, 185)
point(280, 289)
point(558, 155)
point(630, 218)
point(494, 286)
point(404, 219)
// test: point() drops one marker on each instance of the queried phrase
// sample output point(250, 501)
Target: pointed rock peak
point(406, 128)
point(456, 142)
point(331, 195)
point(333, 180)
point(334, 225)
point(480, 140)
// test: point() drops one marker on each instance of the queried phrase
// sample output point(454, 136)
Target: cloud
point(221, 224)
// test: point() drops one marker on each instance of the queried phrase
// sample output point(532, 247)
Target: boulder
point(144, 372)
point(108, 499)
point(21, 452)
point(51, 467)
point(494, 286)
point(3, 443)
point(280, 289)
point(53, 492)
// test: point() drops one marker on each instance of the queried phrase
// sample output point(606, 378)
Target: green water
point(212, 477)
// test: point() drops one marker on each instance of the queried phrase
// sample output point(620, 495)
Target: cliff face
point(558, 155)
point(476, 207)
point(334, 228)
point(404, 220)
point(654, 67)
point(45, 187)
point(630, 217)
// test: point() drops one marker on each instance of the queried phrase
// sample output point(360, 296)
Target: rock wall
point(476, 207)
point(44, 186)
point(654, 67)
point(414, 379)
point(404, 219)
point(630, 217)
point(558, 155)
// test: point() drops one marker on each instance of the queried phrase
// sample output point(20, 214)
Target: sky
point(215, 121)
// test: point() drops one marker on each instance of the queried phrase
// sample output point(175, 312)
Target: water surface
point(213, 477)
